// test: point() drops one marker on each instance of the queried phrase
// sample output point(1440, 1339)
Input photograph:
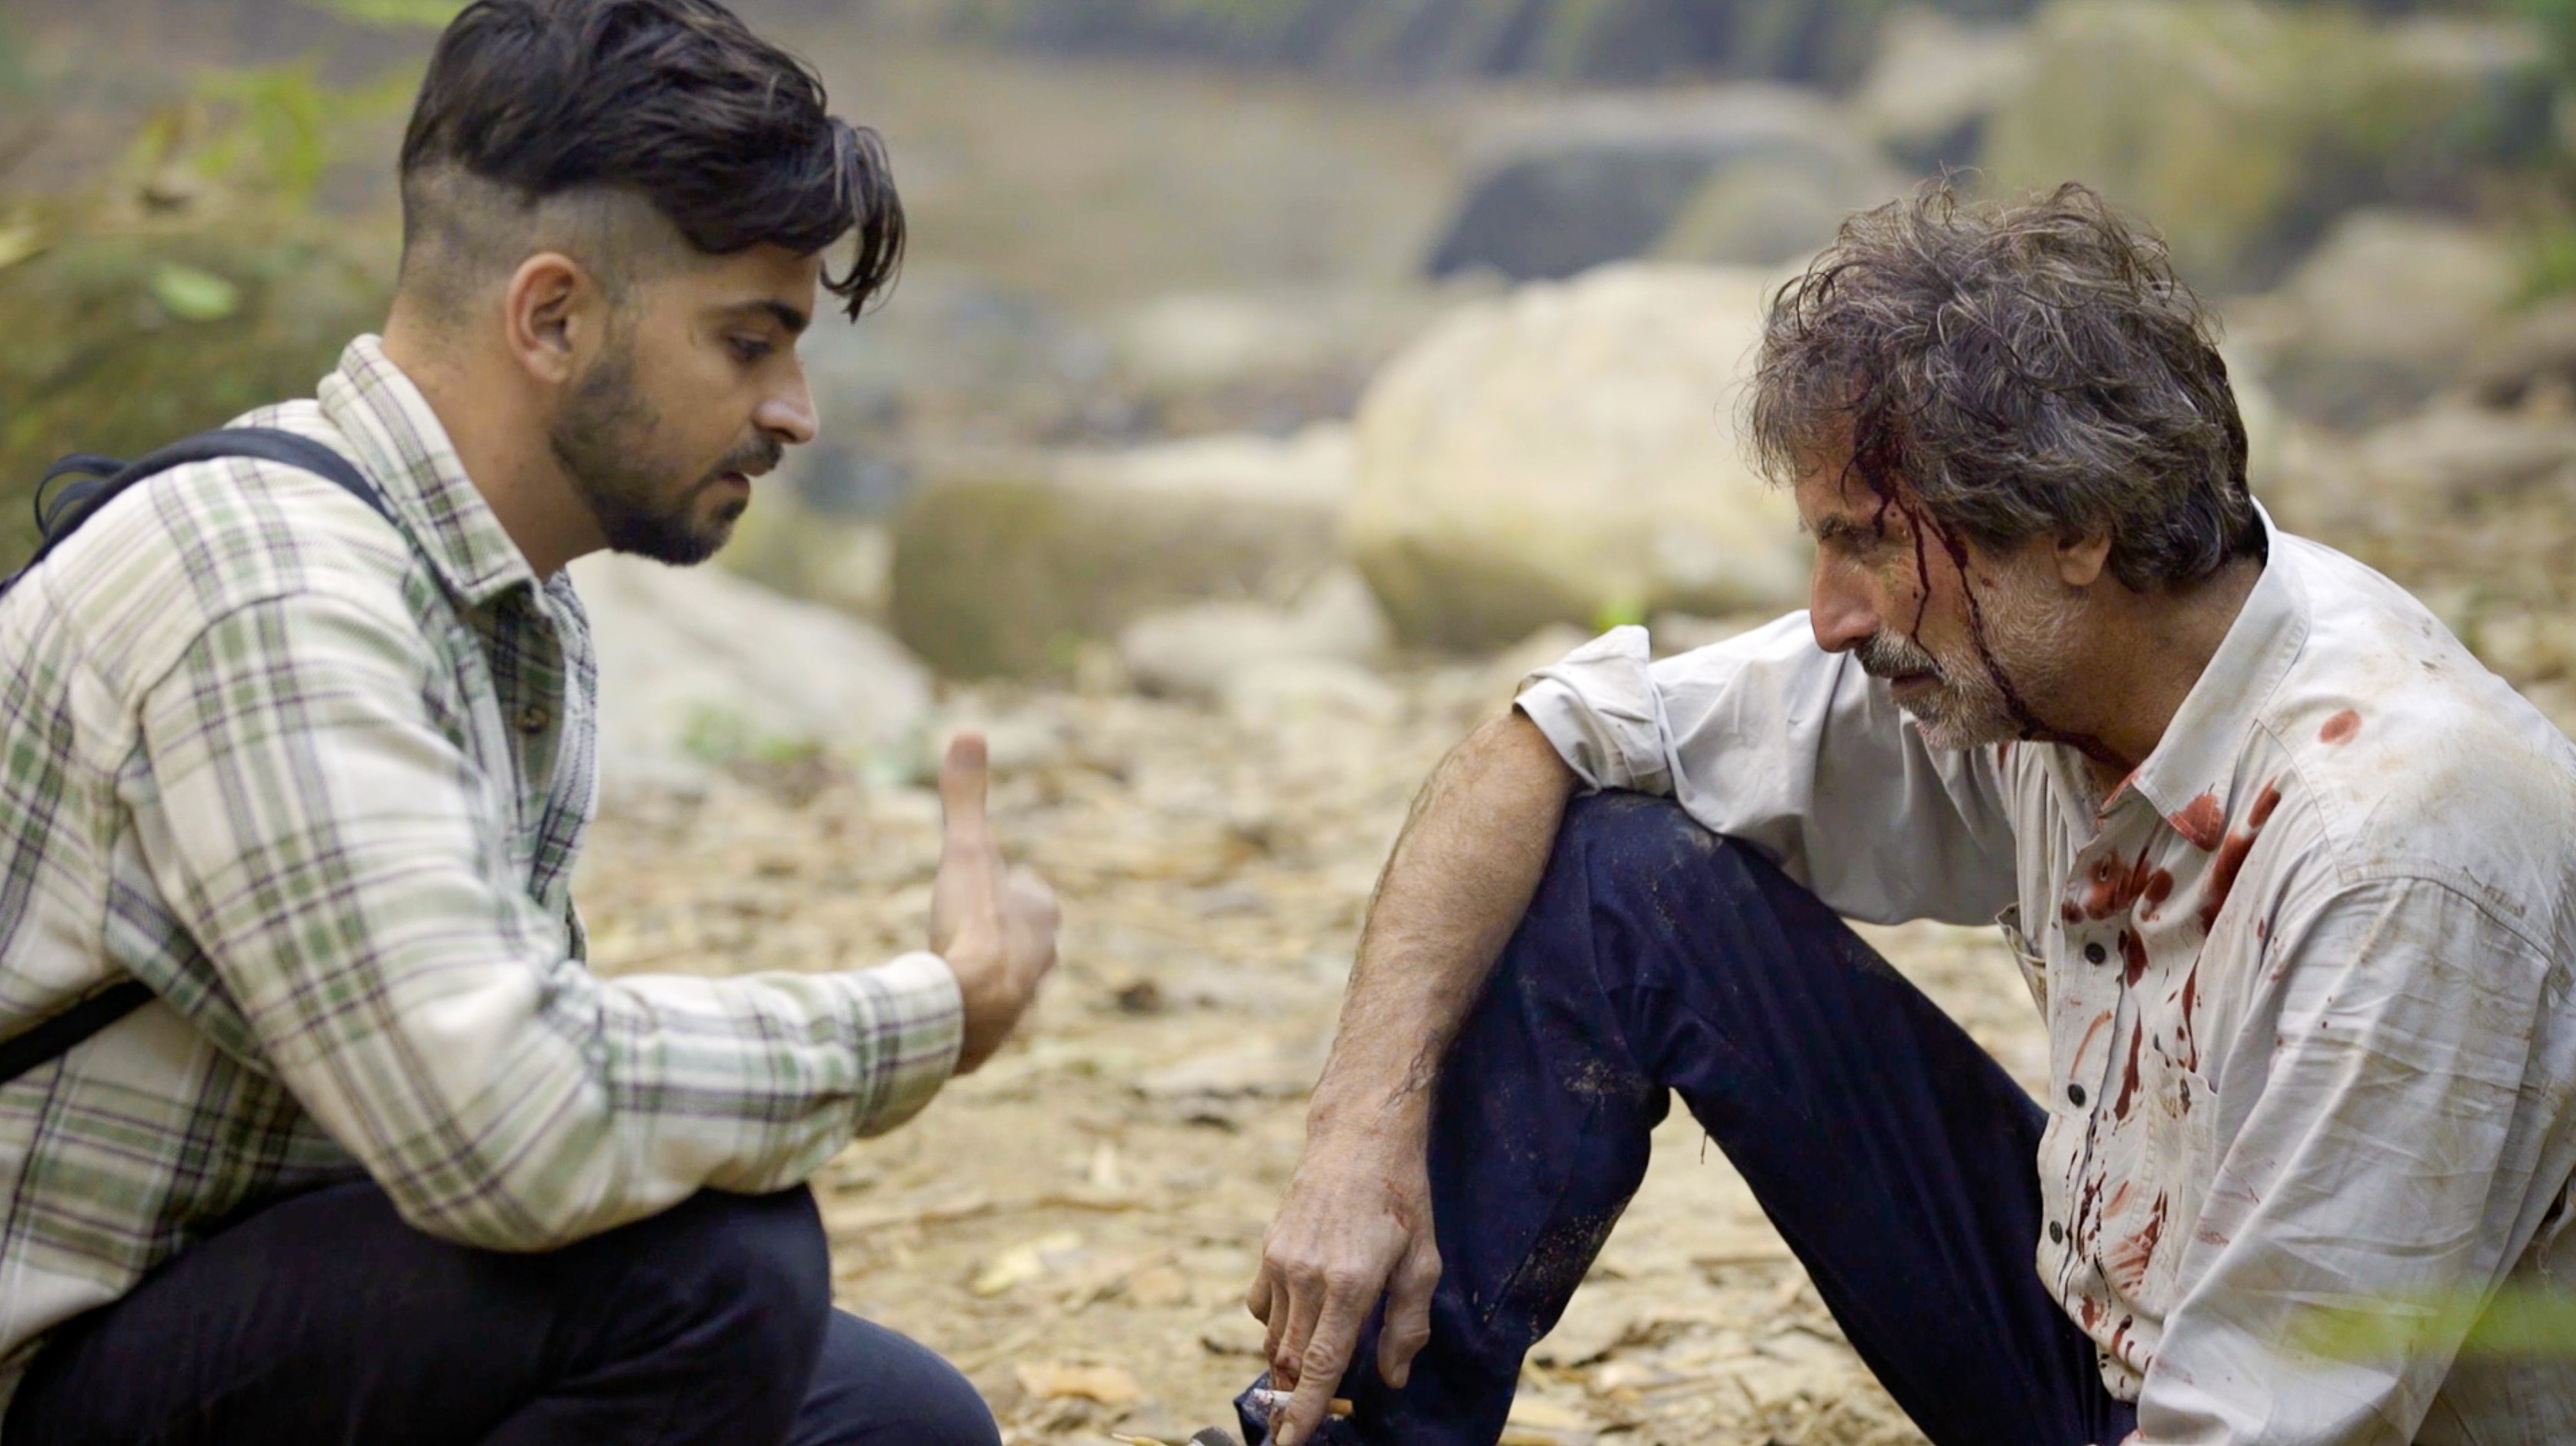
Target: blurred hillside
point(1272, 383)
point(1244, 225)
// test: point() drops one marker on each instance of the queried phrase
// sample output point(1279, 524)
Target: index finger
point(1328, 1352)
point(962, 777)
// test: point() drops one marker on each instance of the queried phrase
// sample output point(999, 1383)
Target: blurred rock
point(1935, 83)
point(1007, 565)
point(1192, 651)
point(1269, 362)
point(1302, 690)
point(1569, 186)
point(2241, 130)
point(2465, 457)
point(2383, 314)
point(1618, 41)
point(789, 547)
point(1568, 454)
point(1765, 210)
point(2531, 361)
point(699, 669)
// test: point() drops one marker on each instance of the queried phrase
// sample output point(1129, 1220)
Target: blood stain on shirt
point(2231, 855)
point(2201, 821)
point(2129, 1077)
point(2133, 955)
point(2340, 727)
point(2127, 1264)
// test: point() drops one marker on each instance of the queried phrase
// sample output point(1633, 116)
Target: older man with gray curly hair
point(2287, 873)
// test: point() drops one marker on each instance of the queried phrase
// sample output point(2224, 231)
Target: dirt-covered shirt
point(319, 782)
point(2306, 975)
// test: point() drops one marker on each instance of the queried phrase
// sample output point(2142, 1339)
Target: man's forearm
point(1460, 878)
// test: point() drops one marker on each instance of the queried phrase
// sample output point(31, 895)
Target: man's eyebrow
point(789, 317)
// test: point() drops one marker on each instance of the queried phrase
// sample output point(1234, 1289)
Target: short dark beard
point(601, 438)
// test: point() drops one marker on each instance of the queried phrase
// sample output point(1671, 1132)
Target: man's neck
point(2165, 641)
point(501, 441)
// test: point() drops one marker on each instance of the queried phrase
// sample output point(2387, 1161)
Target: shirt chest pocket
point(2160, 1137)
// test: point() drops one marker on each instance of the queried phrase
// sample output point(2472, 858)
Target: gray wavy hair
point(2022, 370)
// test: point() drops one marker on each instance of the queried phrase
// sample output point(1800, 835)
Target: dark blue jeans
point(1897, 1159)
point(324, 1318)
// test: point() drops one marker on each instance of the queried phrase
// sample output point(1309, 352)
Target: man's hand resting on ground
point(1357, 1220)
point(994, 925)
point(1356, 1224)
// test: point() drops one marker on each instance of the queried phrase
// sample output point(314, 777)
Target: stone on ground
point(1011, 566)
point(699, 669)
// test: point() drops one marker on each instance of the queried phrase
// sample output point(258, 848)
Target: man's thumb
point(962, 778)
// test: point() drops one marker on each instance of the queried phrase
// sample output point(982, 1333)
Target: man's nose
point(1838, 608)
point(788, 414)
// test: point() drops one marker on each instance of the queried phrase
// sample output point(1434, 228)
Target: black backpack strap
point(53, 1038)
point(61, 515)
point(57, 1036)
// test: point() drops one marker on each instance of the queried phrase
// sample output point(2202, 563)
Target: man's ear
point(2081, 560)
point(553, 318)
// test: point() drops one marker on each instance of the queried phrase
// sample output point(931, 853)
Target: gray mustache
point(1883, 655)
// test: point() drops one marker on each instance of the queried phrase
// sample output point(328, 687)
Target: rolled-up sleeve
point(1770, 739)
point(331, 847)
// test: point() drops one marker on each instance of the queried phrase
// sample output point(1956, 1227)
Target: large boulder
point(1009, 565)
point(2241, 130)
point(1568, 454)
point(1934, 84)
point(699, 669)
point(2384, 314)
point(1572, 185)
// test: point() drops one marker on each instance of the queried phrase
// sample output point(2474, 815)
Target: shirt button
point(2076, 1093)
point(534, 718)
point(2095, 953)
point(2056, 1233)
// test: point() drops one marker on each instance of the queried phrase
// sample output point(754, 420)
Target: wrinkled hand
point(993, 924)
point(1356, 1224)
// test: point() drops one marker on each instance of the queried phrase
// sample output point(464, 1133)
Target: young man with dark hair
point(2287, 872)
point(383, 1161)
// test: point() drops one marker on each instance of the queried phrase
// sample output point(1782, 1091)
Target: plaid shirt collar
point(403, 446)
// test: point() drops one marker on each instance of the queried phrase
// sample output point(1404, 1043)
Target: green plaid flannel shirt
point(321, 786)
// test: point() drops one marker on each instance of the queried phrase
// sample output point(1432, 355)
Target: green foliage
point(2518, 1321)
point(193, 280)
point(2549, 258)
point(392, 14)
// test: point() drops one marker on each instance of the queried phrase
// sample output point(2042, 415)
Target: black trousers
point(1896, 1157)
point(324, 1318)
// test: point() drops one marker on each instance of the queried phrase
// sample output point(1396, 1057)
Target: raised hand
point(995, 925)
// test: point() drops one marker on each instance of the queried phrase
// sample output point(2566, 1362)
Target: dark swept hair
point(2021, 370)
point(676, 101)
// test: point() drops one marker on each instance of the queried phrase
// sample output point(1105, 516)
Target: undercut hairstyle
point(2018, 370)
point(627, 127)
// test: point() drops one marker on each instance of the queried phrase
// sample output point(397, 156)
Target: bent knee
point(1633, 833)
point(761, 1256)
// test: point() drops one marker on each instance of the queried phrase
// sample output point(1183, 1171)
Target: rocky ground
point(1075, 1224)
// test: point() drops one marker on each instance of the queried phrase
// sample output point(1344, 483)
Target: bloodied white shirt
point(2312, 1075)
